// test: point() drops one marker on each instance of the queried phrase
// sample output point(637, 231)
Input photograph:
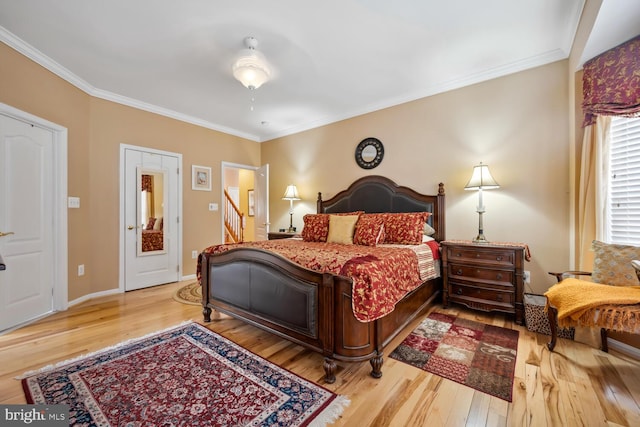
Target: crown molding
point(485, 75)
point(43, 60)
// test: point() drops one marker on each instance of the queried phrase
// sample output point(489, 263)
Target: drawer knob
point(498, 258)
point(499, 297)
point(499, 276)
point(459, 291)
point(459, 272)
point(458, 254)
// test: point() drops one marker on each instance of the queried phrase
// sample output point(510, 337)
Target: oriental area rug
point(479, 356)
point(183, 376)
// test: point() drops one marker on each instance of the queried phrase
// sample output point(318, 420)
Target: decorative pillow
point(150, 223)
point(341, 228)
point(316, 226)
point(369, 230)
point(404, 228)
point(612, 264)
point(158, 224)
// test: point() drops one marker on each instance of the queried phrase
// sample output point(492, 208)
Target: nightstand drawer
point(480, 256)
point(470, 272)
point(491, 297)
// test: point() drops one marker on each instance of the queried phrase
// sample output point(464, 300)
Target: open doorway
point(244, 203)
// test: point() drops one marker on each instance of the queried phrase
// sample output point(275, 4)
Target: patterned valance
point(611, 82)
point(147, 183)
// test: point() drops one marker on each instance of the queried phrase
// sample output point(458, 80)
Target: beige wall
point(517, 124)
point(96, 129)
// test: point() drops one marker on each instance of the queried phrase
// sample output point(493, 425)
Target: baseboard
point(189, 277)
point(624, 348)
point(94, 295)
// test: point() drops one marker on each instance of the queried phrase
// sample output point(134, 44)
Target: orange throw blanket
point(574, 298)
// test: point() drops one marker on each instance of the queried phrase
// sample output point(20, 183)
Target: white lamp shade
point(291, 193)
point(251, 69)
point(481, 179)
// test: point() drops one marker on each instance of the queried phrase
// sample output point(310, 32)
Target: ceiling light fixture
point(251, 67)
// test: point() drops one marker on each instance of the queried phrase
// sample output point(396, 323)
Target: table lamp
point(481, 179)
point(291, 194)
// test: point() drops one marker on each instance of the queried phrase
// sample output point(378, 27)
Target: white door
point(261, 194)
point(151, 229)
point(26, 212)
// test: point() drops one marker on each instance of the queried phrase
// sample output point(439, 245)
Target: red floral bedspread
point(381, 275)
point(152, 240)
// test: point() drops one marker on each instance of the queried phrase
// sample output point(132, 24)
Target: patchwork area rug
point(474, 354)
point(183, 376)
point(189, 294)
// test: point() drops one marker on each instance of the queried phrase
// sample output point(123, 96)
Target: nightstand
point(484, 276)
point(274, 235)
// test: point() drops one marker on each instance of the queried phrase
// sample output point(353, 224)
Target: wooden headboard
point(375, 194)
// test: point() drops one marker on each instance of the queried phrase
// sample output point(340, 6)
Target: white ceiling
point(333, 59)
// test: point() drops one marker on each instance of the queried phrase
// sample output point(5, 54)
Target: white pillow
point(428, 230)
point(158, 224)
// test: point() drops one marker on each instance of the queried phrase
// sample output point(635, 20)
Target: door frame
point(60, 245)
point(122, 222)
point(230, 165)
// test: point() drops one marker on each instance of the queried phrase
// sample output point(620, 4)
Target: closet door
point(151, 227)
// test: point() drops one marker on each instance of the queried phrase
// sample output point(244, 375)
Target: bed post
point(327, 326)
point(204, 286)
point(440, 226)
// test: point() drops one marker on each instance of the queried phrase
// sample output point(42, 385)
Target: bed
point(315, 309)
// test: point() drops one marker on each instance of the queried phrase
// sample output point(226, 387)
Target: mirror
point(151, 211)
point(369, 153)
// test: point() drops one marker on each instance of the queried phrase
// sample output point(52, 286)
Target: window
point(623, 225)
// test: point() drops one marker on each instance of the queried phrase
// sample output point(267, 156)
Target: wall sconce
point(481, 179)
point(291, 194)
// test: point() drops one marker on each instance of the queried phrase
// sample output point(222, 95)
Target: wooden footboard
point(309, 308)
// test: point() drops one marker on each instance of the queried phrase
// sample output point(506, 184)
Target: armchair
point(610, 301)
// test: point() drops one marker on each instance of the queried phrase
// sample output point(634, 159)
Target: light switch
point(73, 202)
point(213, 206)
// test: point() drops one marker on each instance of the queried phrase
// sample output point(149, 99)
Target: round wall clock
point(369, 153)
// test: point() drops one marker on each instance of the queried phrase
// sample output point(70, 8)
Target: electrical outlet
point(194, 254)
point(73, 202)
point(81, 270)
point(527, 277)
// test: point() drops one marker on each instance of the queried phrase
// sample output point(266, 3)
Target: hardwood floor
point(574, 386)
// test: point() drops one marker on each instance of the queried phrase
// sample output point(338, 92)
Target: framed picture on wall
point(200, 178)
point(252, 203)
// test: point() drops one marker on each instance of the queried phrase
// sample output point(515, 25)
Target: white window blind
point(624, 190)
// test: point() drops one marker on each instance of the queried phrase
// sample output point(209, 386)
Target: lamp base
point(480, 239)
point(291, 230)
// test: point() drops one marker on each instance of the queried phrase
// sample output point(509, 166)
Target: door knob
point(131, 227)
point(6, 234)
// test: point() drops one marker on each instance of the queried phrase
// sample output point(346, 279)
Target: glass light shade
point(251, 69)
point(481, 179)
point(291, 193)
